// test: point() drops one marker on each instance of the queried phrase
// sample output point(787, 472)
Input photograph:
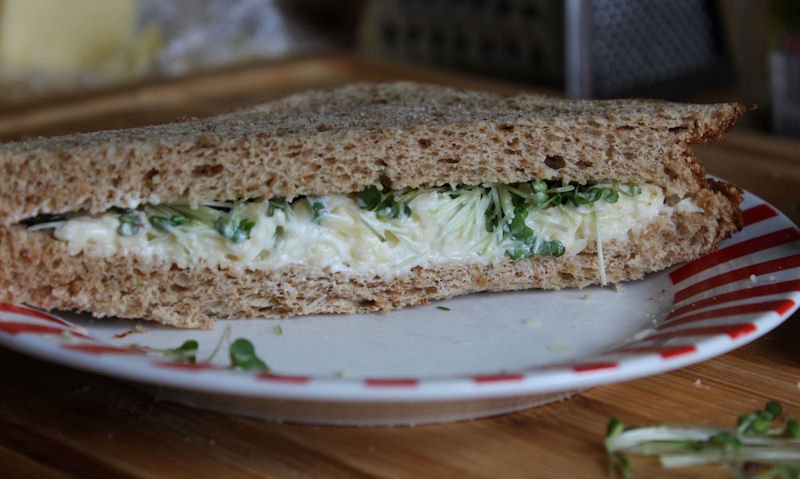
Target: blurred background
point(692, 50)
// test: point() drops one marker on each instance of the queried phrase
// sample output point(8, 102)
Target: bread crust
point(397, 135)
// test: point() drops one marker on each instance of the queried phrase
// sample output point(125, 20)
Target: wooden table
point(58, 422)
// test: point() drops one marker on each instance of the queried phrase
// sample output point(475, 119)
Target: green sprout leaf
point(232, 226)
point(168, 223)
point(276, 204)
point(235, 229)
point(317, 208)
point(243, 356)
point(387, 204)
point(129, 221)
point(727, 440)
point(185, 353)
point(614, 427)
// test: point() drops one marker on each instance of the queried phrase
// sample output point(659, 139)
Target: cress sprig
point(510, 205)
point(764, 444)
point(241, 353)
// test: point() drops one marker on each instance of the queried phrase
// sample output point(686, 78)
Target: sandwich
point(366, 197)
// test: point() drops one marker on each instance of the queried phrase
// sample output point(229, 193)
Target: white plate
point(485, 354)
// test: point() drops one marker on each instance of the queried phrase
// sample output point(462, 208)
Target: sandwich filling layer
point(375, 232)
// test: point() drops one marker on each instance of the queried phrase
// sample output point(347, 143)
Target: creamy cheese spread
point(347, 237)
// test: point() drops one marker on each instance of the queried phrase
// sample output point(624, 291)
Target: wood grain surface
point(63, 423)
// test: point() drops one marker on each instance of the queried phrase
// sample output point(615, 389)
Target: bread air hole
point(207, 170)
point(150, 176)
point(672, 174)
point(555, 162)
point(368, 304)
point(567, 277)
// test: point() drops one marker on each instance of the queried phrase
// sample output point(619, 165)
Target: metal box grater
point(586, 48)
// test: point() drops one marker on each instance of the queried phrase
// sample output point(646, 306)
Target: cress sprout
point(185, 353)
point(511, 203)
point(764, 444)
point(317, 208)
point(241, 354)
point(129, 221)
point(222, 218)
point(385, 203)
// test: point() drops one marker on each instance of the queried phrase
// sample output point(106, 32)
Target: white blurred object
point(207, 34)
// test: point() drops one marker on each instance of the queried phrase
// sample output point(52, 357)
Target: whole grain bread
point(396, 135)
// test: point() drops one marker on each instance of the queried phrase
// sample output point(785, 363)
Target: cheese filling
point(338, 233)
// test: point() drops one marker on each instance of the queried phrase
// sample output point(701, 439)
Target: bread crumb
point(138, 329)
point(558, 348)
point(620, 288)
point(753, 279)
point(586, 296)
point(532, 322)
point(699, 384)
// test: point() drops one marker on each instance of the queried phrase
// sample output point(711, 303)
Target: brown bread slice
point(397, 135)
